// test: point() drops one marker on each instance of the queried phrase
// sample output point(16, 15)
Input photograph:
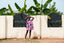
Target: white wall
point(51, 32)
point(63, 24)
point(11, 33)
point(2, 27)
point(19, 32)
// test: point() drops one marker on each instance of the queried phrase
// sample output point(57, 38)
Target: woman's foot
point(24, 39)
point(29, 39)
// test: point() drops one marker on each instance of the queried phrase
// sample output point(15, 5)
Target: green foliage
point(16, 5)
point(34, 10)
point(31, 12)
point(24, 8)
point(46, 11)
point(59, 12)
point(36, 3)
point(21, 9)
point(37, 9)
point(2, 10)
point(32, 7)
point(46, 3)
point(6, 14)
point(12, 13)
point(53, 9)
point(40, 9)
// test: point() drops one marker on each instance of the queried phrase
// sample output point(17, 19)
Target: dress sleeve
point(31, 19)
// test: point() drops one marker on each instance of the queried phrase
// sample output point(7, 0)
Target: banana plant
point(38, 9)
point(35, 12)
point(21, 9)
point(12, 13)
point(53, 8)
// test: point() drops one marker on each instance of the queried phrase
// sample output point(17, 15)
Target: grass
point(23, 41)
point(1, 40)
point(4, 39)
point(31, 41)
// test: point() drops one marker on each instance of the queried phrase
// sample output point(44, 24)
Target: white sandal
point(29, 39)
point(24, 39)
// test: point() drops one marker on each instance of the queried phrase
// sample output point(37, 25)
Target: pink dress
point(29, 24)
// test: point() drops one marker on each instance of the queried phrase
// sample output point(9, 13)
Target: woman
point(29, 25)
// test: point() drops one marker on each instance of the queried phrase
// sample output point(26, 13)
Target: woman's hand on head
point(32, 17)
point(28, 16)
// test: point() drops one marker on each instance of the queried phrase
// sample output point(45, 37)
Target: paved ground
point(33, 41)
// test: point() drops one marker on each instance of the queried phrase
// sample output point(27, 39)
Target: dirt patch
point(34, 41)
point(35, 37)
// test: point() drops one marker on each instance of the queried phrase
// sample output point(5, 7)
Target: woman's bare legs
point(29, 34)
point(26, 34)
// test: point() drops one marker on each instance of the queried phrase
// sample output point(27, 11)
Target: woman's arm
point(26, 18)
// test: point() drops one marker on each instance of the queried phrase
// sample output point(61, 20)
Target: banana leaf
point(10, 9)
point(46, 3)
point(34, 8)
point(24, 8)
point(32, 13)
point(46, 11)
point(17, 7)
point(2, 10)
point(36, 3)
